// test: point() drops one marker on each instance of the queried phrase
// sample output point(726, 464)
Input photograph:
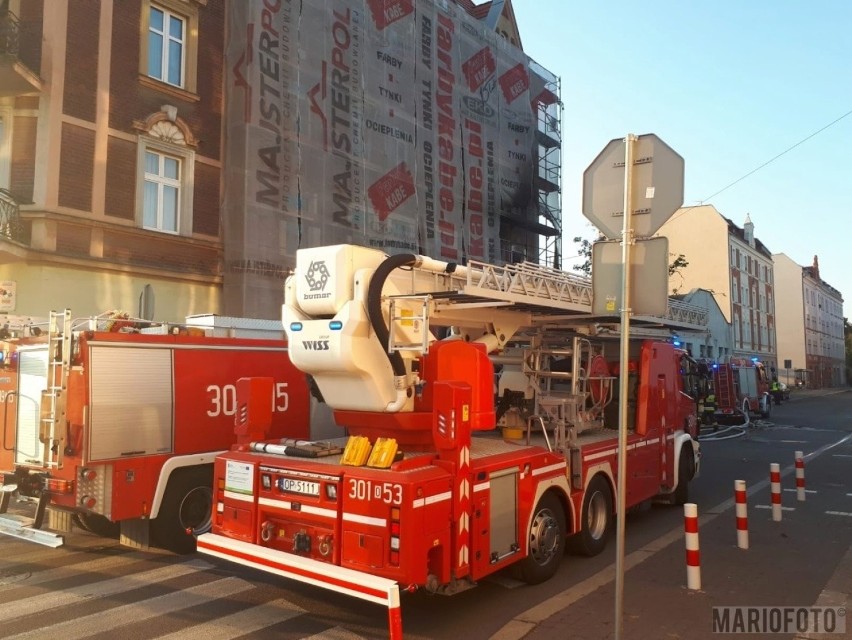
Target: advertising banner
point(385, 123)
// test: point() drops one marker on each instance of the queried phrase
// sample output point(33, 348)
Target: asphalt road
point(93, 588)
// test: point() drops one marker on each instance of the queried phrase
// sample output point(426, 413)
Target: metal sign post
point(647, 195)
point(621, 492)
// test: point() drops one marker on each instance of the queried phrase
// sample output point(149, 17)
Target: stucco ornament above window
point(167, 126)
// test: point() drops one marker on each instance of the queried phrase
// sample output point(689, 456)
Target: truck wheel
point(546, 542)
point(685, 471)
point(186, 510)
point(595, 520)
point(97, 524)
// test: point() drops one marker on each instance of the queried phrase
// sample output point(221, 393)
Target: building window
point(161, 194)
point(166, 46)
point(168, 55)
point(165, 179)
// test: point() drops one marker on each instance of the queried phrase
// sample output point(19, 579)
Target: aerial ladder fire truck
point(480, 407)
point(113, 424)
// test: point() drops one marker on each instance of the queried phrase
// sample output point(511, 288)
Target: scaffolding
point(549, 170)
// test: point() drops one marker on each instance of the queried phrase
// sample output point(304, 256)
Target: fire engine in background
point(115, 425)
point(741, 387)
point(426, 492)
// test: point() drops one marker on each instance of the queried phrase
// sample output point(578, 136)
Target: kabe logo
point(478, 107)
point(315, 345)
point(317, 277)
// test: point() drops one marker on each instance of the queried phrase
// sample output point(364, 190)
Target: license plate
point(304, 487)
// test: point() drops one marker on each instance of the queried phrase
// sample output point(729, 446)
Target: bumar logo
point(317, 275)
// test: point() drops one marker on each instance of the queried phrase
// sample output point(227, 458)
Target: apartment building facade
point(810, 326)
point(111, 131)
point(736, 267)
point(112, 154)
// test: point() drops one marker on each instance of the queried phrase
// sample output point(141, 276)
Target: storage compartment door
point(504, 513)
point(132, 408)
point(32, 380)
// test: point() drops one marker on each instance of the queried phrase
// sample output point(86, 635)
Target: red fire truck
point(742, 389)
point(428, 491)
point(115, 425)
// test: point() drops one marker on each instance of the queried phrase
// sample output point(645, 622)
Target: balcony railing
point(10, 218)
point(10, 33)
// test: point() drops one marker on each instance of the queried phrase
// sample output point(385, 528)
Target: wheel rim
point(196, 510)
point(544, 537)
point(597, 516)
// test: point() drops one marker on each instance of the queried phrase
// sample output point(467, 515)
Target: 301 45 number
point(223, 399)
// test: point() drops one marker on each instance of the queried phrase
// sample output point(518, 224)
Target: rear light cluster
point(394, 536)
point(57, 485)
point(220, 501)
point(87, 474)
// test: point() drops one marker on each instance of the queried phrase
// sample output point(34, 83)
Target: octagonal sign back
point(657, 186)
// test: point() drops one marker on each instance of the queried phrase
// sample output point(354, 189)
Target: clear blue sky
point(728, 85)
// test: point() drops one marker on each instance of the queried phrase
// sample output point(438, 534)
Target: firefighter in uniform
point(775, 389)
point(709, 414)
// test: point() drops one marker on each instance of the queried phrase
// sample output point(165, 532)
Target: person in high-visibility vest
point(775, 389)
point(709, 415)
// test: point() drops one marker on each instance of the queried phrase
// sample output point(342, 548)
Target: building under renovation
point(168, 157)
point(411, 128)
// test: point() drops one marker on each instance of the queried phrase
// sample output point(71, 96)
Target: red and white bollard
point(742, 513)
point(693, 557)
point(775, 483)
point(800, 476)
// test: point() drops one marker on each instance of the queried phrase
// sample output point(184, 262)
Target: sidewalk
point(781, 566)
point(801, 394)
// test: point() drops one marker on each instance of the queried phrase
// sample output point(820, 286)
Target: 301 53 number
point(387, 492)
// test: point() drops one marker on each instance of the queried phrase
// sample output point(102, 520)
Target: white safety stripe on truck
point(320, 574)
point(630, 447)
point(242, 497)
point(482, 486)
point(550, 468)
point(304, 508)
point(356, 517)
point(438, 497)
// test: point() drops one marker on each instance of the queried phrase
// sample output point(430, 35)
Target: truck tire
point(546, 543)
point(97, 524)
point(186, 510)
point(595, 520)
point(685, 471)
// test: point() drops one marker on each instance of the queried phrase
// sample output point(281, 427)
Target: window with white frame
point(165, 180)
point(161, 193)
point(166, 46)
